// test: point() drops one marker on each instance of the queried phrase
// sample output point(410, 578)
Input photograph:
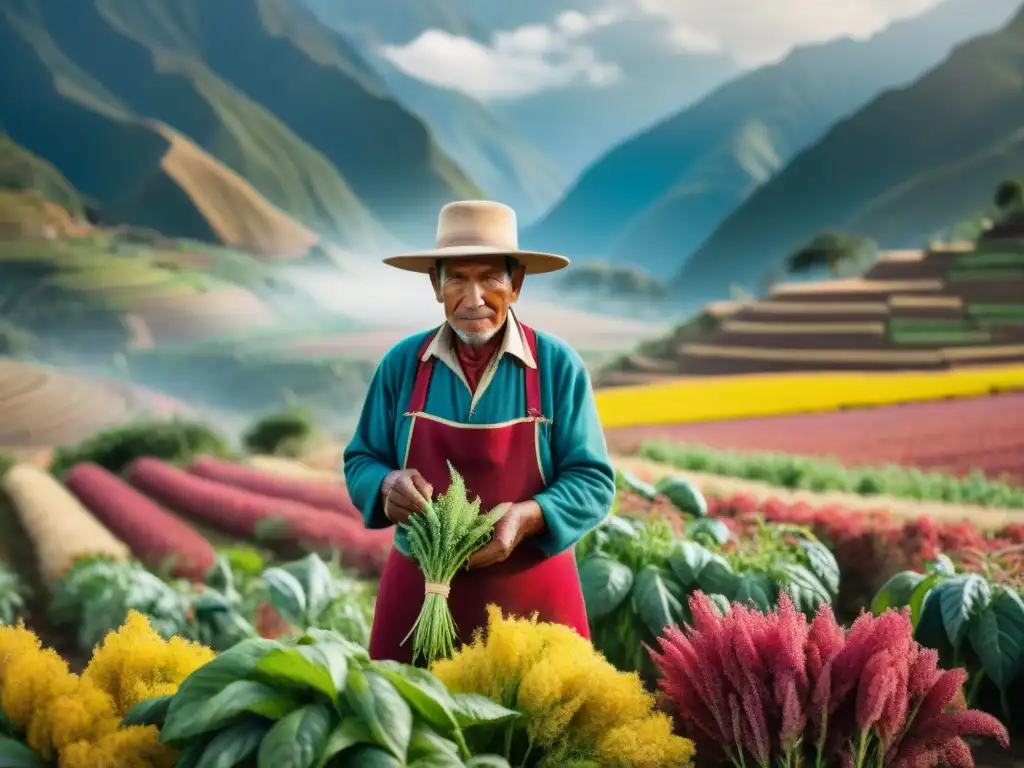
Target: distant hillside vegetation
point(654, 199)
point(899, 170)
point(258, 85)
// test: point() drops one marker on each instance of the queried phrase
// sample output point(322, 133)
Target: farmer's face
point(476, 294)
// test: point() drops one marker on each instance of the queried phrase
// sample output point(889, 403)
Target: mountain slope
point(946, 140)
point(244, 81)
point(653, 200)
point(493, 153)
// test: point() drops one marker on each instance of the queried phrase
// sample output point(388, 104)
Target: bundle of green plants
point(441, 540)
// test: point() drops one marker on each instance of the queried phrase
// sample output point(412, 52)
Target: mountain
point(654, 199)
point(289, 109)
point(904, 166)
point(495, 155)
point(503, 163)
point(577, 123)
point(655, 80)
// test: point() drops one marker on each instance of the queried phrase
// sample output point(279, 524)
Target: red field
point(957, 436)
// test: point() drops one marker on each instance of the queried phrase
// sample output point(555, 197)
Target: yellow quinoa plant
point(74, 721)
point(576, 706)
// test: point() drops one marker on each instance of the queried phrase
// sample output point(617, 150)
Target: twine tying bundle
point(437, 589)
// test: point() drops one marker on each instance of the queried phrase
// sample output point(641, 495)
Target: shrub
point(282, 433)
point(175, 441)
point(575, 705)
point(765, 690)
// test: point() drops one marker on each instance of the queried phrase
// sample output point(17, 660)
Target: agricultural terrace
point(154, 532)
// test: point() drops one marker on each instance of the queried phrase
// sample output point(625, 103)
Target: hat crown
point(477, 222)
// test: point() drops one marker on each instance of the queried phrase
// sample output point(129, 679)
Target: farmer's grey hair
point(511, 265)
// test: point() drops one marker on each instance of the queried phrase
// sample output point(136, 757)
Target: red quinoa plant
point(771, 690)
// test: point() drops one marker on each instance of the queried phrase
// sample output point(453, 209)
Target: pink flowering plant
point(774, 689)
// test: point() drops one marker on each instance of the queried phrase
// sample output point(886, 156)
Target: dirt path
point(716, 485)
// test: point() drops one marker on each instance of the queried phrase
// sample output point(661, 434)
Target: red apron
point(500, 463)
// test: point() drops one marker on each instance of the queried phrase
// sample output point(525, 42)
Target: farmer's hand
point(405, 493)
point(519, 522)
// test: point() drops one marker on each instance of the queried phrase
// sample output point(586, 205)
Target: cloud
point(757, 32)
point(515, 63)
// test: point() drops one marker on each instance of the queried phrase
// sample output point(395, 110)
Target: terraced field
point(950, 306)
point(957, 436)
point(40, 407)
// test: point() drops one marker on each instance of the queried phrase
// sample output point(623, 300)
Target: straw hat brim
point(535, 262)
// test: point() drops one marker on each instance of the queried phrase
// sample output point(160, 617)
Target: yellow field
point(714, 398)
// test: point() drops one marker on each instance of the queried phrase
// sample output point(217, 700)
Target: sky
point(519, 62)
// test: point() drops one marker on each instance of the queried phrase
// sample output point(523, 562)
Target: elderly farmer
point(510, 407)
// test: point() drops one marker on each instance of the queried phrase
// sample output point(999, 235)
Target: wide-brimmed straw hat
point(473, 228)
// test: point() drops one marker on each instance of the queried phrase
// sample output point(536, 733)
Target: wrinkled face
point(476, 294)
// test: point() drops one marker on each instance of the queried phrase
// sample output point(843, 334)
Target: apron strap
point(531, 376)
point(418, 398)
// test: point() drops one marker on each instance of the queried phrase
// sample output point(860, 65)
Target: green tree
point(1009, 194)
point(280, 433)
point(834, 250)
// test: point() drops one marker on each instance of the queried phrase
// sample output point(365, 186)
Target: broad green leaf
point(426, 742)
point(235, 699)
point(296, 740)
point(930, 630)
point(316, 580)
point(425, 693)
point(896, 592)
point(149, 712)
point(718, 577)
point(689, 559)
point(998, 637)
point(234, 744)
point(382, 708)
point(322, 667)
point(617, 526)
point(472, 709)
point(348, 733)
point(657, 599)
point(822, 564)
point(606, 583)
point(192, 753)
point(707, 530)
point(805, 589)
point(436, 761)
point(960, 598)
point(15, 754)
point(487, 761)
point(636, 485)
point(943, 566)
point(684, 496)
point(286, 594)
point(371, 757)
point(755, 588)
point(721, 603)
point(917, 597)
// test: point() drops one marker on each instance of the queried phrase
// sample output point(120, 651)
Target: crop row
point(824, 474)
point(868, 546)
point(956, 436)
point(98, 514)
